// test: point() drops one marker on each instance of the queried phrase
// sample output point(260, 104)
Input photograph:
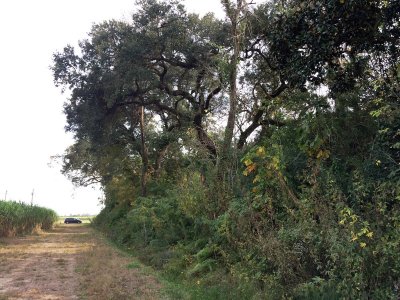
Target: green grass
point(17, 218)
point(214, 286)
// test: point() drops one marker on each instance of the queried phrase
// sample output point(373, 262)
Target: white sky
point(31, 118)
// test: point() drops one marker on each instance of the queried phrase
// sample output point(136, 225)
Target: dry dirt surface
point(71, 262)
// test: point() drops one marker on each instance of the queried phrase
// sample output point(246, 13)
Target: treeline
point(260, 152)
point(18, 218)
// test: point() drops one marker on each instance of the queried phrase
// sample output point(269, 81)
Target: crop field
point(17, 218)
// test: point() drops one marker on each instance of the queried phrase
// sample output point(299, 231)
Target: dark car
point(72, 220)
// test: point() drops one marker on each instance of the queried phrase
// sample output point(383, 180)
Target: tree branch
point(256, 122)
point(211, 95)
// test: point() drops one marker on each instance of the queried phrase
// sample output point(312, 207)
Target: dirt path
point(70, 262)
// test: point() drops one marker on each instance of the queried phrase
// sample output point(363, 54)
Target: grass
point(214, 286)
point(218, 288)
point(42, 266)
point(118, 274)
point(134, 265)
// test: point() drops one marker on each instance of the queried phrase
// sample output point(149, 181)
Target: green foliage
point(20, 218)
point(318, 289)
point(317, 211)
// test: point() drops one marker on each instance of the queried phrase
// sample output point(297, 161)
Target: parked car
point(72, 220)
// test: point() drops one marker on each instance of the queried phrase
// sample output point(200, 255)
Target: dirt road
point(71, 262)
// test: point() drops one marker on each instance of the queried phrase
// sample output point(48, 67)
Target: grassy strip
point(209, 286)
point(119, 275)
point(220, 289)
point(18, 218)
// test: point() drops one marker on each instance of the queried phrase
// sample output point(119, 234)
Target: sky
point(31, 118)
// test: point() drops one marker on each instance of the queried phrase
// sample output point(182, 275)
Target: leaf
point(260, 152)
point(396, 146)
point(398, 71)
point(323, 154)
point(248, 162)
point(251, 168)
point(257, 179)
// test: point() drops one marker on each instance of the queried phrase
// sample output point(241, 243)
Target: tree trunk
point(204, 138)
point(230, 125)
point(145, 156)
point(233, 12)
point(159, 160)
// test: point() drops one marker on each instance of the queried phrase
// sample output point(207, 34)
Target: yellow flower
point(363, 245)
point(370, 234)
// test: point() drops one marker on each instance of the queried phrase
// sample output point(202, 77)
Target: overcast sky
point(31, 118)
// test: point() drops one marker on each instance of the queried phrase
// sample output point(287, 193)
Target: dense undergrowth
point(331, 230)
point(17, 218)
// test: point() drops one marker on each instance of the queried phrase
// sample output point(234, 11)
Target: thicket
point(259, 154)
point(18, 218)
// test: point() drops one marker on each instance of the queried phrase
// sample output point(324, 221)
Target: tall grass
point(20, 218)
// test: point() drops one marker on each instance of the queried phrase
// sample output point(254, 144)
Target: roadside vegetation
point(256, 156)
point(17, 218)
